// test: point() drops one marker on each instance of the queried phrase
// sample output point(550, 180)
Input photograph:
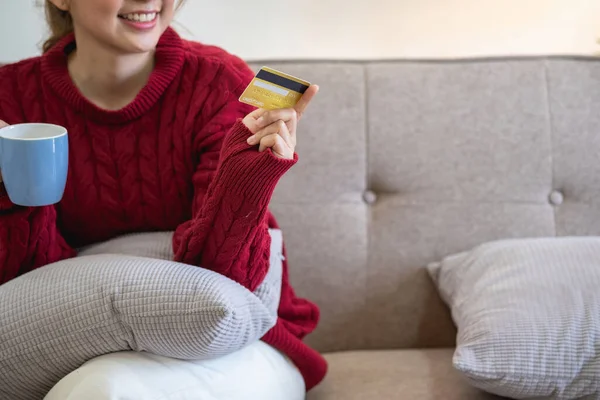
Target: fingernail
point(260, 120)
point(251, 140)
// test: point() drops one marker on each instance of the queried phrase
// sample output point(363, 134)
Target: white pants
point(257, 372)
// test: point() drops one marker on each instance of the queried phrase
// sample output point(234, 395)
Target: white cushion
point(256, 372)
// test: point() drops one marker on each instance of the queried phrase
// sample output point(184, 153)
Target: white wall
point(357, 29)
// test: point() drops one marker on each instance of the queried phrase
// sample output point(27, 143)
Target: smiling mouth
point(139, 17)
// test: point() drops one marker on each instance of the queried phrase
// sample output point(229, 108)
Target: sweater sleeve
point(233, 185)
point(29, 237)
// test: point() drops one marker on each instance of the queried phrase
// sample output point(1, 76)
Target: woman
point(158, 141)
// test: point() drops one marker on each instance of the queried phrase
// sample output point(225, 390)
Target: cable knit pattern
point(176, 158)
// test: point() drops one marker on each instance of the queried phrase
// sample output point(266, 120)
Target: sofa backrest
point(403, 163)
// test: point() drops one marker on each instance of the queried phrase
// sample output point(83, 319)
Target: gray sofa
point(403, 163)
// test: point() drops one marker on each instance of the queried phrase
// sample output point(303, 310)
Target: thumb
point(306, 99)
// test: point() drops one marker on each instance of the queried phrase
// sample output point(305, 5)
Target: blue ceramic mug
point(34, 162)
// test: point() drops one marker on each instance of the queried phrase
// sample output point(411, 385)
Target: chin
point(135, 48)
point(140, 43)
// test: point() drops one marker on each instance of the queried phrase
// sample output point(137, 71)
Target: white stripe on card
point(270, 87)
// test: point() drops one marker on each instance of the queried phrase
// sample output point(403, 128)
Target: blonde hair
point(61, 23)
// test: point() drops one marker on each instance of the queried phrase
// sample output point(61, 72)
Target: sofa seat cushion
point(395, 374)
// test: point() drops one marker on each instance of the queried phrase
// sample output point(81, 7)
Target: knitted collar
point(169, 59)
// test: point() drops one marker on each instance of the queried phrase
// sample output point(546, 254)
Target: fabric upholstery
point(395, 374)
point(527, 312)
point(114, 298)
point(404, 162)
point(575, 123)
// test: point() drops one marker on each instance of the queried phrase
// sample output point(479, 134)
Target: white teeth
point(140, 17)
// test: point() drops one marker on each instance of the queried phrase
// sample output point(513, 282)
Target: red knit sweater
point(176, 158)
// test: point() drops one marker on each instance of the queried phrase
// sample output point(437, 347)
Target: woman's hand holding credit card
point(282, 100)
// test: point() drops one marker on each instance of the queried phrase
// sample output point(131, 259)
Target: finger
point(283, 114)
point(306, 99)
point(284, 132)
point(276, 144)
point(256, 114)
point(269, 130)
point(278, 128)
point(250, 119)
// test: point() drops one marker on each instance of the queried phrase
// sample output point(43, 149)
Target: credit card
point(271, 89)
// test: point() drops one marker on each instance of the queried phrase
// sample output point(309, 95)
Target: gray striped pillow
point(528, 316)
point(124, 295)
